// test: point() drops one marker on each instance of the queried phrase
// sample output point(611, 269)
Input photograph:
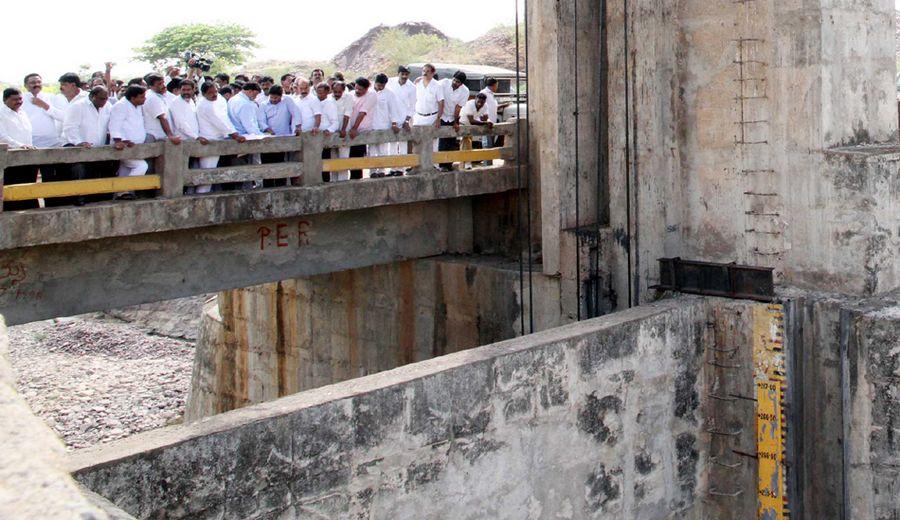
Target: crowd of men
point(177, 108)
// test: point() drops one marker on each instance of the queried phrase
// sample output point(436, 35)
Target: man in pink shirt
point(362, 118)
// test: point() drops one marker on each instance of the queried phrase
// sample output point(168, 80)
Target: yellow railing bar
point(365, 163)
point(49, 190)
point(489, 154)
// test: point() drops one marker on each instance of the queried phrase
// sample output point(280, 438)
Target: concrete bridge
point(65, 261)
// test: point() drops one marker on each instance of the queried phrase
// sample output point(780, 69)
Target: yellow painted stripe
point(366, 163)
point(489, 154)
point(49, 190)
point(769, 374)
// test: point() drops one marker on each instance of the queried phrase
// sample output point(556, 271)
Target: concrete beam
point(69, 225)
point(66, 279)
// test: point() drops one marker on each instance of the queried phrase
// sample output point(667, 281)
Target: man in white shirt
point(331, 121)
point(156, 111)
point(45, 118)
point(86, 122)
point(389, 116)
point(429, 102)
point(86, 125)
point(406, 93)
point(184, 112)
point(47, 123)
point(344, 103)
point(126, 129)
point(429, 99)
point(491, 86)
point(69, 91)
point(456, 94)
point(15, 132)
point(475, 113)
point(213, 126)
point(310, 107)
point(493, 108)
point(173, 90)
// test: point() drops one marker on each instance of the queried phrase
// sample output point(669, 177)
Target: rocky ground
point(95, 379)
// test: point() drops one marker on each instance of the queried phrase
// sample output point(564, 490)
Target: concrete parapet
point(33, 481)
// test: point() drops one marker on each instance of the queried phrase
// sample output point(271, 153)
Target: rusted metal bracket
point(713, 279)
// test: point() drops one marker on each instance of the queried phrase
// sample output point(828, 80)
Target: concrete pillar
point(261, 343)
point(565, 53)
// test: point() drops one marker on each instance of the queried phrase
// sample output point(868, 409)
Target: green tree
point(400, 48)
point(226, 44)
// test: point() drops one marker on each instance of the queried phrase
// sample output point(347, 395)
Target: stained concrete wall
point(722, 117)
point(871, 399)
point(264, 342)
point(594, 420)
point(33, 481)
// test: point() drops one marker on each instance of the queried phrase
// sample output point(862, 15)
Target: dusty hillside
point(362, 56)
point(496, 48)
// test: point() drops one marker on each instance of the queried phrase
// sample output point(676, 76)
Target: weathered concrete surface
point(264, 342)
point(870, 353)
point(765, 90)
point(64, 279)
point(594, 420)
point(848, 237)
point(33, 481)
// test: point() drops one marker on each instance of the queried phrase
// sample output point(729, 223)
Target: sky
point(64, 38)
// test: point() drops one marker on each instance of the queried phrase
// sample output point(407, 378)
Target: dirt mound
point(361, 55)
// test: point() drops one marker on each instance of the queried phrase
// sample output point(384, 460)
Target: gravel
point(95, 380)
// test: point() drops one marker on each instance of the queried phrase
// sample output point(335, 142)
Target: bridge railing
point(171, 162)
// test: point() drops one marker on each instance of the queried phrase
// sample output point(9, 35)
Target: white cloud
point(61, 36)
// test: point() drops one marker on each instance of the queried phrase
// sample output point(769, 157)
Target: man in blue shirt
point(242, 110)
point(244, 115)
point(278, 115)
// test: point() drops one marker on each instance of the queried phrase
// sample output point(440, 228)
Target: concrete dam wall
point(598, 419)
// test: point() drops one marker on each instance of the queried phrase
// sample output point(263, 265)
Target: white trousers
point(132, 168)
point(380, 150)
point(343, 153)
point(207, 163)
point(400, 148)
point(426, 121)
